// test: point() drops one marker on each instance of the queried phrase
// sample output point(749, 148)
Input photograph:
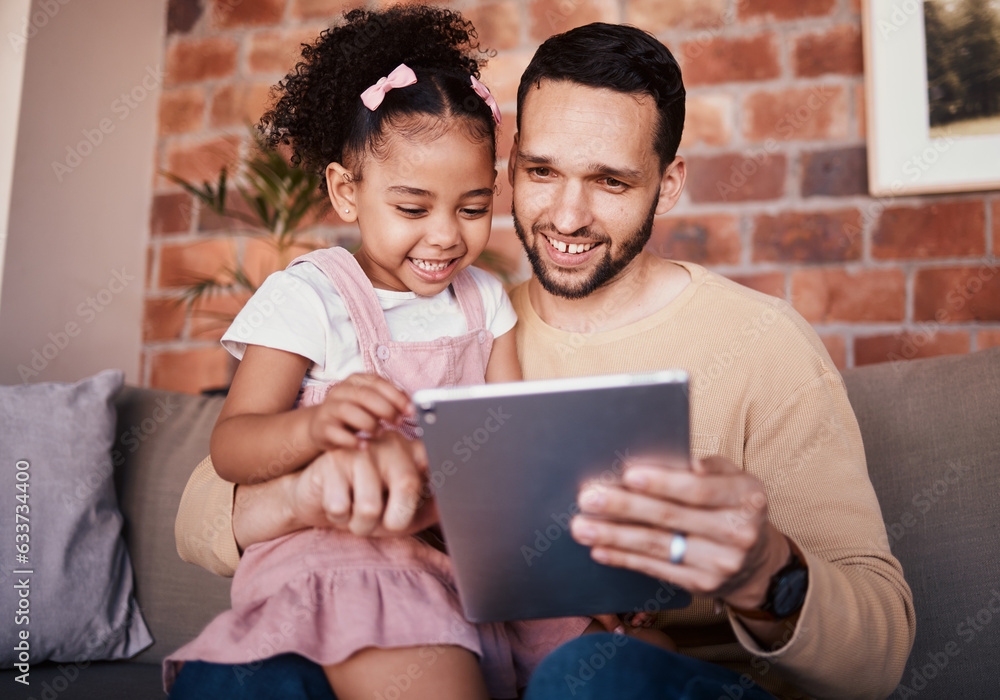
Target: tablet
point(507, 462)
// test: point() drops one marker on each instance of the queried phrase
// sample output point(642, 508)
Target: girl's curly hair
point(319, 110)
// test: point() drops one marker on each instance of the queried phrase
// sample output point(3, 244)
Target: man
point(775, 529)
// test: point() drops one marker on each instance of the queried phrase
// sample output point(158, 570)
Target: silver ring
point(678, 548)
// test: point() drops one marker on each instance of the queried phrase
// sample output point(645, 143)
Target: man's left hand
point(732, 549)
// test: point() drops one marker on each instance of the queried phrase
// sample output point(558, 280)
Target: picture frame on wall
point(932, 88)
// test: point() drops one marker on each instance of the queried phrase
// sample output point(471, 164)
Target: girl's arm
point(259, 437)
point(503, 365)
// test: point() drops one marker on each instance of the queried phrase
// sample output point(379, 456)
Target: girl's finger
point(387, 390)
point(367, 491)
point(353, 416)
point(336, 436)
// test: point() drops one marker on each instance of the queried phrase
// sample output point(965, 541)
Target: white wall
point(74, 269)
point(13, 16)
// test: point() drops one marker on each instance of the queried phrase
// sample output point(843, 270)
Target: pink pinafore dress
point(325, 594)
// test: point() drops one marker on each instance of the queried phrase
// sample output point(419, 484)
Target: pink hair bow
point(488, 98)
point(401, 76)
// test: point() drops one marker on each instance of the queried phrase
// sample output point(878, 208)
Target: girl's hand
point(378, 491)
point(359, 403)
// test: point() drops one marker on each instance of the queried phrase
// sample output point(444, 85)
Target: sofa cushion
point(162, 436)
point(102, 680)
point(931, 430)
point(71, 594)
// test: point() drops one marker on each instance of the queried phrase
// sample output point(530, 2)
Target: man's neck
point(647, 285)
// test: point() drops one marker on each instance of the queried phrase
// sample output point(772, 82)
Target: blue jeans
point(280, 677)
point(590, 667)
point(613, 666)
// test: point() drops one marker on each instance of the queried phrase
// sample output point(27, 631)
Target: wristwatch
point(785, 594)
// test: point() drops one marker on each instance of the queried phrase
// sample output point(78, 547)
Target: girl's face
point(424, 209)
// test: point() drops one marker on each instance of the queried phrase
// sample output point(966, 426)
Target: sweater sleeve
point(856, 628)
point(204, 526)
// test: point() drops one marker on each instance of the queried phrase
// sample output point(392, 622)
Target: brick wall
point(775, 142)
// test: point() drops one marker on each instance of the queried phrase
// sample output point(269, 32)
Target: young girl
point(388, 106)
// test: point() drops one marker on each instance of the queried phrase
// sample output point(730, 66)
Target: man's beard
point(607, 268)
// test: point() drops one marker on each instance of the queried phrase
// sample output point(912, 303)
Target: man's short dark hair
point(621, 58)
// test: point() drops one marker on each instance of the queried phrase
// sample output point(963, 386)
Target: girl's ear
point(343, 192)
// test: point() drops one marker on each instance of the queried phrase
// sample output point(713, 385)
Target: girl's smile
point(424, 207)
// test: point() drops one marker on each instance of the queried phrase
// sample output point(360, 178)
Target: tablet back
point(507, 462)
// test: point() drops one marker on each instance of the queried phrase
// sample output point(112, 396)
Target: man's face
point(586, 183)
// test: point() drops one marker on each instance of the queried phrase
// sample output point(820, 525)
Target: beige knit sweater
point(765, 394)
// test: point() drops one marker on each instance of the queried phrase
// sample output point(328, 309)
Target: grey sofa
point(932, 436)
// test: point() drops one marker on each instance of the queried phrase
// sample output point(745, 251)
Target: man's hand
point(378, 491)
point(732, 548)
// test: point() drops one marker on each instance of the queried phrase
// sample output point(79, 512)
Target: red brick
point(201, 160)
point(735, 177)
point(208, 220)
point(181, 111)
point(855, 6)
point(261, 259)
point(816, 113)
point(277, 52)
point(934, 230)
point(909, 346)
point(150, 266)
point(497, 23)
point(181, 265)
point(171, 213)
point(709, 240)
point(785, 9)
point(808, 237)
point(239, 104)
point(163, 319)
point(322, 9)
point(772, 283)
point(212, 315)
point(503, 200)
point(838, 50)
point(841, 172)
point(838, 294)
point(502, 75)
point(708, 120)
point(729, 60)
point(182, 15)
point(860, 118)
point(956, 294)
point(550, 17)
point(987, 339)
point(190, 371)
point(505, 140)
point(996, 228)
point(191, 60)
point(837, 347)
point(227, 14)
point(656, 16)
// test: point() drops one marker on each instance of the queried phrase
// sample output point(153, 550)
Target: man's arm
point(216, 519)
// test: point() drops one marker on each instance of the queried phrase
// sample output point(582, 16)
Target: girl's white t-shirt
point(300, 311)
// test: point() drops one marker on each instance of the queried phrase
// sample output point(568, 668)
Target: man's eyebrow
point(603, 168)
point(616, 173)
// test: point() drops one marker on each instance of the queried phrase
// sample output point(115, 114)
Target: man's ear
point(343, 191)
point(512, 160)
point(671, 185)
